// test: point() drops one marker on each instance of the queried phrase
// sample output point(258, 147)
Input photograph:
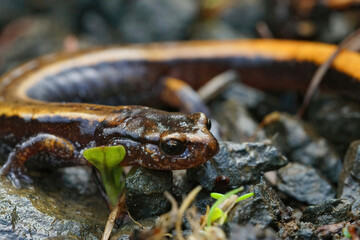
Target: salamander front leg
point(56, 146)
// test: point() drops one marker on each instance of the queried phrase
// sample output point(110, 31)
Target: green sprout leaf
point(216, 195)
point(107, 160)
point(216, 213)
point(243, 197)
point(219, 201)
point(346, 233)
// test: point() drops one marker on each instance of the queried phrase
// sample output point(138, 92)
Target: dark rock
point(240, 163)
point(50, 209)
point(304, 184)
point(337, 120)
point(243, 15)
point(236, 122)
point(302, 144)
point(349, 185)
point(145, 192)
point(264, 208)
point(249, 232)
point(159, 20)
point(328, 212)
point(259, 103)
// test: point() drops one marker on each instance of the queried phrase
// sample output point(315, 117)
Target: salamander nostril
point(208, 124)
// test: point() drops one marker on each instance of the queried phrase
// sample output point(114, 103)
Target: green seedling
point(216, 213)
point(346, 233)
point(243, 197)
point(107, 160)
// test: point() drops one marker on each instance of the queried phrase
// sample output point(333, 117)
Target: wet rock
point(259, 103)
point(349, 185)
point(249, 232)
point(302, 144)
point(328, 212)
point(236, 122)
point(304, 184)
point(337, 120)
point(145, 192)
point(79, 178)
point(264, 208)
point(158, 20)
point(50, 209)
point(239, 163)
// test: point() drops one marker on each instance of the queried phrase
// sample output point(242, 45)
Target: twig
point(319, 74)
point(185, 205)
point(115, 213)
point(217, 84)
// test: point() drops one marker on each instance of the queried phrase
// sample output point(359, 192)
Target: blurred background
point(30, 28)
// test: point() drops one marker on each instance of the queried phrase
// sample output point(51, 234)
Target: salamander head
point(164, 141)
point(188, 146)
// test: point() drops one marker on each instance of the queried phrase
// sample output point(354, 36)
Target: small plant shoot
point(107, 160)
point(216, 213)
point(346, 233)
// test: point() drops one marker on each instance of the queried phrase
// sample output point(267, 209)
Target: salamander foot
point(16, 175)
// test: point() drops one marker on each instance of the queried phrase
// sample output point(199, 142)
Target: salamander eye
point(208, 124)
point(173, 147)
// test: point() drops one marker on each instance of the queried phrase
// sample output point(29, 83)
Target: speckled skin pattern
point(62, 104)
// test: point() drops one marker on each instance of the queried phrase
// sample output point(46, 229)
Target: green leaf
point(95, 156)
point(102, 157)
point(245, 196)
point(219, 201)
point(114, 155)
point(218, 213)
point(216, 195)
point(107, 160)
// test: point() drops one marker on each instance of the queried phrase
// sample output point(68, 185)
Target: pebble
point(239, 163)
point(145, 192)
point(304, 183)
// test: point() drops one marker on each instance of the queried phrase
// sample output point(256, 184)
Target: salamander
point(63, 103)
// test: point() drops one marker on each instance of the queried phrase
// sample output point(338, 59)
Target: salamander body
point(64, 103)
